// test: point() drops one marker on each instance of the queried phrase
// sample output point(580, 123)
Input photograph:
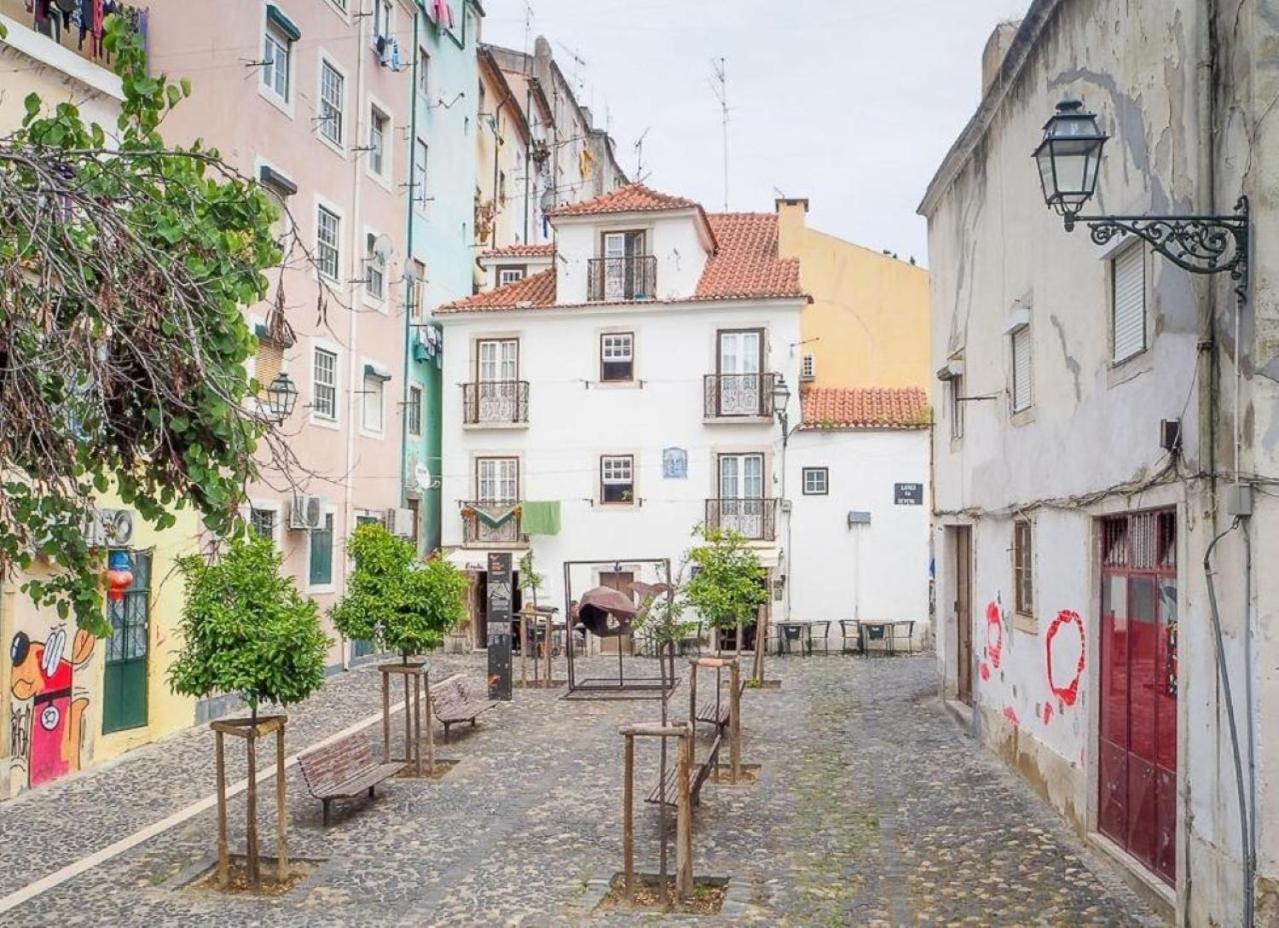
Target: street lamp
point(281, 397)
point(781, 397)
point(1069, 160)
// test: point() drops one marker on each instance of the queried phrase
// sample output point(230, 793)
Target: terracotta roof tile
point(534, 290)
point(865, 408)
point(633, 198)
point(746, 265)
point(521, 251)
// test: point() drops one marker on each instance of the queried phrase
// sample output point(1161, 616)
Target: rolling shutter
point(1023, 395)
point(1128, 326)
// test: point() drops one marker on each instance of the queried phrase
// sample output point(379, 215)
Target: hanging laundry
point(585, 164)
point(397, 60)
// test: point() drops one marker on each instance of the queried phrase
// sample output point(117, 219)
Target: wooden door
point(624, 581)
point(963, 544)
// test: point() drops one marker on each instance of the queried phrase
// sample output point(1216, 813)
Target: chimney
point(792, 220)
point(992, 56)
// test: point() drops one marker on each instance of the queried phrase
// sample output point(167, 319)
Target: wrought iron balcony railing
point(754, 519)
point(615, 279)
point(490, 402)
point(485, 522)
point(732, 395)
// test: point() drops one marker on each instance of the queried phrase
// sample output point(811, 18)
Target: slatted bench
point(700, 773)
point(343, 770)
point(706, 713)
point(454, 701)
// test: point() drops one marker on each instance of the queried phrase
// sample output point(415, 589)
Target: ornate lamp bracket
point(1198, 244)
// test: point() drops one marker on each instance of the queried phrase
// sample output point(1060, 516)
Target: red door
point(1138, 739)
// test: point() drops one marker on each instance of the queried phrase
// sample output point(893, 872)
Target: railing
point(754, 519)
point(729, 395)
point(631, 278)
point(477, 519)
point(495, 401)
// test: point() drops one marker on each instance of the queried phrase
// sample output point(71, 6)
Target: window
point(372, 418)
point(497, 479)
point(1023, 372)
point(276, 49)
point(816, 481)
point(808, 368)
point(1023, 577)
point(617, 478)
point(497, 360)
point(1128, 303)
point(617, 357)
point(957, 407)
point(414, 411)
point(331, 102)
point(324, 384)
point(510, 275)
point(379, 129)
point(418, 180)
point(320, 570)
point(374, 268)
point(382, 13)
point(625, 273)
point(262, 522)
point(416, 293)
point(423, 71)
point(328, 233)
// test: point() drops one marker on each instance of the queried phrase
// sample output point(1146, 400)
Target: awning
point(271, 178)
point(1017, 319)
point(276, 15)
point(376, 371)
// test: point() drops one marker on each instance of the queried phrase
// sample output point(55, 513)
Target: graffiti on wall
point(1065, 655)
point(994, 649)
point(46, 726)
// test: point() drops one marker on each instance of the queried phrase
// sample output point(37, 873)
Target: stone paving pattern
point(872, 808)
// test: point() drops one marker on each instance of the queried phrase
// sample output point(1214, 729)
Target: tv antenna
point(719, 86)
point(639, 155)
point(579, 63)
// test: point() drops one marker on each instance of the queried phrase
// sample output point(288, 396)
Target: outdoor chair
point(850, 631)
point(908, 637)
point(692, 640)
point(877, 631)
point(791, 635)
point(817, 634)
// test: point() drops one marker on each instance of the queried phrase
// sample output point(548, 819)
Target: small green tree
point(401, 603)
point(246, 629)
point(727, 584)
point(530, 580)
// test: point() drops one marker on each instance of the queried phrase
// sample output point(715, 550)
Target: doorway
point(1137, 749)
point(962, 545)
point(124, 681)
point(623, 581)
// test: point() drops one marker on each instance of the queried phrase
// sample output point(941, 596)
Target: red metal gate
point(1138, 740)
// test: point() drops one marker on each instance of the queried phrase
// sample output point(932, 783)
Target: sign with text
point(500, 592)
point(908, 494)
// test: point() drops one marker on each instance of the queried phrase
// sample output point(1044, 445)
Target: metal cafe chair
point(819, 630)
point(909, 637)
point(791, 634)
point(850, 631)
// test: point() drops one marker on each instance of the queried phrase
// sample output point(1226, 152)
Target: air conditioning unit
point(109, 528)
point(808, 369)
point(786, 505)
point(306, 512)
point(400, 522)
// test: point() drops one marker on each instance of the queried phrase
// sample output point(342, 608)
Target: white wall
point(873, 572)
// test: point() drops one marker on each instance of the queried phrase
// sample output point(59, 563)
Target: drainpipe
point(408, 258)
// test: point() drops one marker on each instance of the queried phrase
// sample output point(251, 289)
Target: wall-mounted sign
point(908, 494)
point(500, 593)
point(674, 463)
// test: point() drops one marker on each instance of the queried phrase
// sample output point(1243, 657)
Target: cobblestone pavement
point(871, 808)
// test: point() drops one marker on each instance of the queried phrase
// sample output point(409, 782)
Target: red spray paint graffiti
point(994, 635)
point(984, 670)
point(1068, 692)
point(1047, 712)
point(1011, 714)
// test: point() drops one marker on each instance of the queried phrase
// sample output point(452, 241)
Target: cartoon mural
point(46, 727)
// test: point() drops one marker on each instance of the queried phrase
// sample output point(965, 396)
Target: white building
point(1073, 526)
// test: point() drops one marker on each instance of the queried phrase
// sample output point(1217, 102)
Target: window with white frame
point(808, 368)
point(1128, 302)
point(1023, 369)
point(416, 292)
point(617, 357)
point(957, 406)
point(373, 412)
point(497, 480)
point(324, 384)
point(418, 179)
point(263, 522)
point(379, 131)
point(1023, 568)
point(328, 235)
point(511, 274)
point(374, 268)
point(382, 19)
point(332, 92)
point(277, 49)
point(413, 412)
point(617, 478)
point(816, 481)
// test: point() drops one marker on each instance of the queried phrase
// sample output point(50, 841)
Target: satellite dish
point(383, 247)
point(422, 477)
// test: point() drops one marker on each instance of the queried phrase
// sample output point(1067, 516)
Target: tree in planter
point(403, 605)
point(726, 585)
point(247, 630)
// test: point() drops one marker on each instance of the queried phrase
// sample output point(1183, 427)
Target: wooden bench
point(343, 770)
point(701, 772)
point(453, 701)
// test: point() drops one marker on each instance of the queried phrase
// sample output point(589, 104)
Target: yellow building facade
point(868, 322)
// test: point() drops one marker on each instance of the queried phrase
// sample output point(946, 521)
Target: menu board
point(499, 624)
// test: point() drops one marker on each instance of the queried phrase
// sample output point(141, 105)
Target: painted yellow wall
point(868, 322)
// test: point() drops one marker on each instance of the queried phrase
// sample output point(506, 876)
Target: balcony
point(738, 396)
point(753, 519)
point(486, 523)
point(495, 402)
point(616, 280)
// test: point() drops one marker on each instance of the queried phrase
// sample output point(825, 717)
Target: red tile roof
point(633, 198)
point(746, 265)
point(521, 251)
point(865, 408)
point(534, 290)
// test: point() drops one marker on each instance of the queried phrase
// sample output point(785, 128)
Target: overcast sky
point(851, 103)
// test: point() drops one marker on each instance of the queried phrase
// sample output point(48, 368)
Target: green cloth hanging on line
point(541, 518)
point(495, 516)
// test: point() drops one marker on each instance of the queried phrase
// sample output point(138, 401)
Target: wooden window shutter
point(1023, 393)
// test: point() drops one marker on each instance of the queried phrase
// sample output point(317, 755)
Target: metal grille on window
point(1128, 284)
point(1023, 388)
point(327, 226)
point(330, 116)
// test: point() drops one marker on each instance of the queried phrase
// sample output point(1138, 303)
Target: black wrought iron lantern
point(781, 395)
point(282, 397)
point(1069, 158)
